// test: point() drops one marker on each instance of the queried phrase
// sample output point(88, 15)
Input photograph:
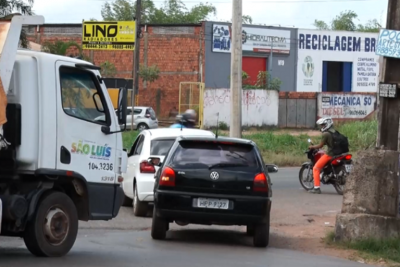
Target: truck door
point(81, 145)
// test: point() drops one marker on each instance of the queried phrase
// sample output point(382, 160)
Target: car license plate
point(210, 203)
point(349, 167)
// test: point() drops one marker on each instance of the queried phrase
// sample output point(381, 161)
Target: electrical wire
point(261, 2)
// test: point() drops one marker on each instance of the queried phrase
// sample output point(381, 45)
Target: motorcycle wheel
point(309, 187)
point(339, 184)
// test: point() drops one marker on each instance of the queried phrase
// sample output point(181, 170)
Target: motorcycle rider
point(326, 127)
point(186, 120)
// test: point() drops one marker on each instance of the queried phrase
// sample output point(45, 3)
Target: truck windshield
point(80, 94)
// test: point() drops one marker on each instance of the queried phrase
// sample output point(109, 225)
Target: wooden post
point(136, 58)
point(389, 108)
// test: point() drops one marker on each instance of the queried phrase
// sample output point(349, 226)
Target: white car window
point(139, 147)
point(161, 147)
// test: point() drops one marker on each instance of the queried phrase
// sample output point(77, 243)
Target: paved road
point(194, 248)
point(189, 246)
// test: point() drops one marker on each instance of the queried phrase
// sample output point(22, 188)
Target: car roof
point(175, 132)
point(218, 139)
point(141, 107)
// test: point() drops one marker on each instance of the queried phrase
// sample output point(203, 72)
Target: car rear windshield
point(200, 153)
point(161, 147)
point(152, 113)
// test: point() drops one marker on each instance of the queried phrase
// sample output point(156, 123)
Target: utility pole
point(269, 77)
point(236, 71)
point(136, 59)
point(389, 108)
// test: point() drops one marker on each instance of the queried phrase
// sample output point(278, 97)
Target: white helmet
point(325, 123)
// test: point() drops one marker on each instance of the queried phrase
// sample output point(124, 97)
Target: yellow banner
point(108, 35)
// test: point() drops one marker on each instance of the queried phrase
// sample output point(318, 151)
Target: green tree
point(173, 11)
point(246, 19)
point(346, 21)
point(9, 7)
point(108, 69)
point(60, 48)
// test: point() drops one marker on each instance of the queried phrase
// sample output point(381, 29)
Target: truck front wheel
point(53, 229)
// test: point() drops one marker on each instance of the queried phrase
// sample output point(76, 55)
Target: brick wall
point(176, 50)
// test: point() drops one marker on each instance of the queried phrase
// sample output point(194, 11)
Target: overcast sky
point(289, 13)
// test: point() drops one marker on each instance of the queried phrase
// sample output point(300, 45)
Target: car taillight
point(348, 157)
point(146, 167)
point(167, 177)
point(260, 183)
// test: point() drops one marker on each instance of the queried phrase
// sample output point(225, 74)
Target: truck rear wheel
point(54, 227)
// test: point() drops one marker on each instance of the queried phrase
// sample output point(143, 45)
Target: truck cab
point(63, 163)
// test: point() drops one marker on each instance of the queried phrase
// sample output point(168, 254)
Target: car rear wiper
point(227, 165)
point(237, 154)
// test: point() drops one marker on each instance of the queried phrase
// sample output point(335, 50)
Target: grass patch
point(371, 249)
point(288, 150)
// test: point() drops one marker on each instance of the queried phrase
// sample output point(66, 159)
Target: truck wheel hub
point(56, 226)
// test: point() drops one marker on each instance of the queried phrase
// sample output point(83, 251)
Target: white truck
point(62, 164)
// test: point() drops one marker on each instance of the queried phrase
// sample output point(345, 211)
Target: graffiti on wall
point(346, 105)
point(259, 107)
point(223, 96)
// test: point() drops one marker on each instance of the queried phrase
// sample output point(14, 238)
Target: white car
point(138, 181)
point(144, 118)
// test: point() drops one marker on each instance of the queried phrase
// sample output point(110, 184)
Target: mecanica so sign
point(356, 49)
point(108, 35)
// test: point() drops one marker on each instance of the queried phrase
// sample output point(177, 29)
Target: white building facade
point(337, 61)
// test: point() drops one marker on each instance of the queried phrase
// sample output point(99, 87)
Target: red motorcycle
point(334, 172)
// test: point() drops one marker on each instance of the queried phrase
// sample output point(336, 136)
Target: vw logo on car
point(214, 176)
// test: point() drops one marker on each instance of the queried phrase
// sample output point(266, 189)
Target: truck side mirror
point(122, 106)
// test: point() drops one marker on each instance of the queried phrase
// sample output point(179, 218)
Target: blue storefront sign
point(388, 43)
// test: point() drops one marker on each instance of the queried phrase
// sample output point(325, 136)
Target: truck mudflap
point(1, 213)
point(119, 196)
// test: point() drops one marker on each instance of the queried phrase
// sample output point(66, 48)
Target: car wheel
point(261, 234)
point(250, 230)
point(159, 227)
point(139, 207)
point(142, 126)
point(54, 227)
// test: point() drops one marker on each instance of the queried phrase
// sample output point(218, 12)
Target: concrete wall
point(259, 107)
point(217, 64)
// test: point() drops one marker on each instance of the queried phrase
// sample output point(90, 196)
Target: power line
point(262, 2)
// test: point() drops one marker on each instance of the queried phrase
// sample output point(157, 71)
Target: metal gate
point(191, 96)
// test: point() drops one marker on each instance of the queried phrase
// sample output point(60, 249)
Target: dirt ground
point(310, 239)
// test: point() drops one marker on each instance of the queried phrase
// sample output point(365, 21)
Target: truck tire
point(127, 202)
point(54, 227)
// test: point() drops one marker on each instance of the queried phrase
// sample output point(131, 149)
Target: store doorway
point(252, 66)
point(337, 76)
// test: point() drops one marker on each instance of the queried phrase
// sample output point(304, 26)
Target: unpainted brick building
point(177, 50)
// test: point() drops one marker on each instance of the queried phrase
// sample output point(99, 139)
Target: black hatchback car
point(208, 180)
